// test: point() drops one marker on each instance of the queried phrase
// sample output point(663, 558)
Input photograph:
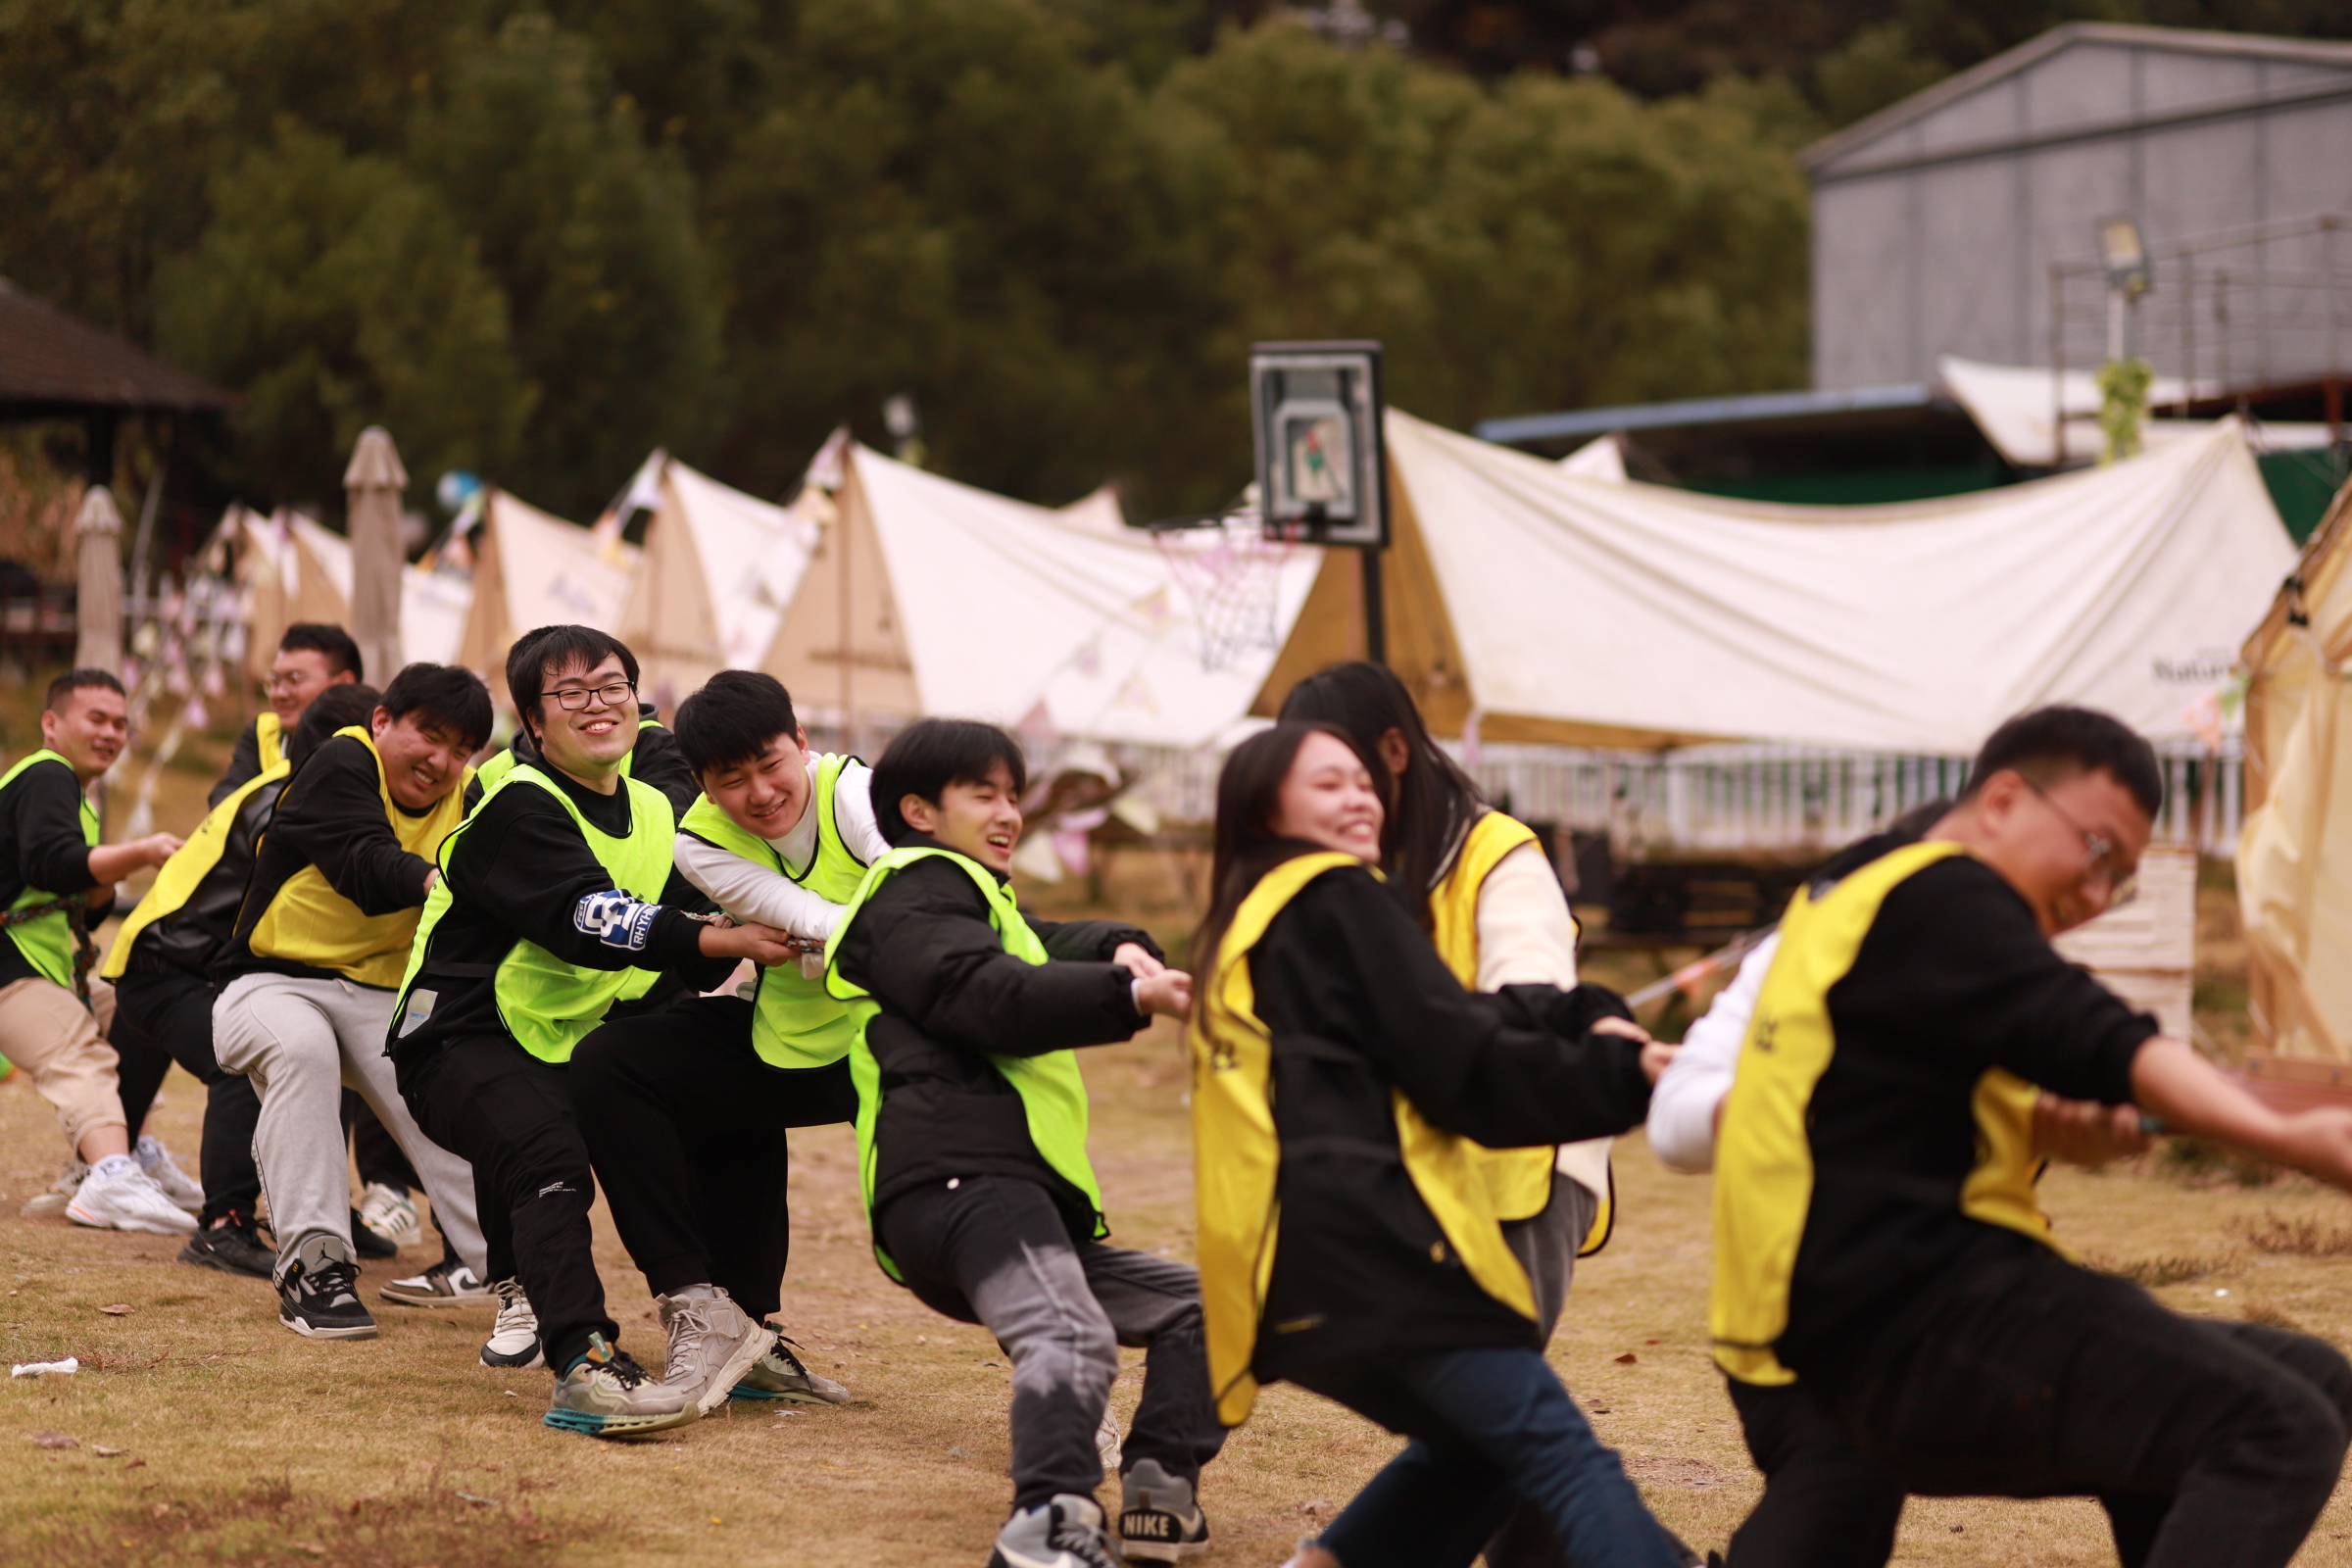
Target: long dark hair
point(1247, 847)
point(1431, 803)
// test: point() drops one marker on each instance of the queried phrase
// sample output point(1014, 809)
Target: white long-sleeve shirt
point(1525, 935)
point(1681, 1108)
point(754, 893)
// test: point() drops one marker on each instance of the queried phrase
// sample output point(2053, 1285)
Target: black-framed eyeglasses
point(575, 699)
point(2098, 852)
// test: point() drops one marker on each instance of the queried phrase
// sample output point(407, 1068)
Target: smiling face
point(423, 762)
point(765, 795)
point(2066, 847)
point(91, 732)
point(589, 743)
point(1326, 799)
point(981, 818)
point(296, 675)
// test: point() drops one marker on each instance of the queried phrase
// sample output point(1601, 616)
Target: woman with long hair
point(1349, 1241)
point(1480, 884)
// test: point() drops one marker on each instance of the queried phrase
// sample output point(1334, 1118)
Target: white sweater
point(1682, 1109)
point(755, 894)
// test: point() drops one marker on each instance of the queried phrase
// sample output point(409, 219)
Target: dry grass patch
point(2301, 1236)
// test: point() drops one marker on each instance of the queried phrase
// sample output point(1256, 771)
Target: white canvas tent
point(2015, 405)
point(720, 570)
point(930, 597)
point(2294, 854)
point(1528, 604)
point(297, 569)
point(532, 568)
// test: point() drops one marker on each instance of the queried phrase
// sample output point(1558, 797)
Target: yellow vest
point(1520, 1179)
point(1235, 1155)
point(269, 739)
point(310, 923)
point(1764, 1153)
point(191, 862)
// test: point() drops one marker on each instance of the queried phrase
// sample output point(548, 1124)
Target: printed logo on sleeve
point(420, 1011)
point(614, 919)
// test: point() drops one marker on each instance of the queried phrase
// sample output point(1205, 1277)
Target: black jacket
point(244, 762)
point(951, 997)
point(1359, 1004)
point(40, 847)
point(188, 939)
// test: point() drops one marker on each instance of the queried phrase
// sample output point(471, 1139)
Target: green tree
point(590, 235)
point(337, 291)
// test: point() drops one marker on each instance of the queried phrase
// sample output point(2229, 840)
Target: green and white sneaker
point(607, 1395)
point(780, 1375)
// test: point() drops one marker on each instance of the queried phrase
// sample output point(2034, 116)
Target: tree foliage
point(537, 237)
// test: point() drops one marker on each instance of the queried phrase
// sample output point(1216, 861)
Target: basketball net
point(1231, 573)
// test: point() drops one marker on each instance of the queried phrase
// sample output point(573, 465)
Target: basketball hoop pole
point(1376, 620)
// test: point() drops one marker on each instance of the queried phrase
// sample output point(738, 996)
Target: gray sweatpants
point(301, 1041)
point(993, 1250)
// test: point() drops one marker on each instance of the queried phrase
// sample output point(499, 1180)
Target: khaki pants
point(45, 1030)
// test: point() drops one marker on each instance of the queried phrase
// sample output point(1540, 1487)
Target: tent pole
point(1376, 623)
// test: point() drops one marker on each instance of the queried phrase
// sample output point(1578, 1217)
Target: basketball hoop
point(1231, 573)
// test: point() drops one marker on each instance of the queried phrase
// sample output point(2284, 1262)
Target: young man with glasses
point(557, 902)
point(312, 656)
point(1877, 1242)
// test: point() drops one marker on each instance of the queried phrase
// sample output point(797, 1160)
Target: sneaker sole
point(40, 1206)
point(583, 1424)
point(498, 1362)
point(136, 1226)
point(401, 1298)
point(1160, 1550)
point(310, 1331)
point(771, 1395)
point(746, 1356)
point(205, 1257)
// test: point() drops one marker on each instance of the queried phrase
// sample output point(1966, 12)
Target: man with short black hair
point(557, 902)
point(312, 656)
point(308, 978)
point(1877, 1240)
point(54, 874)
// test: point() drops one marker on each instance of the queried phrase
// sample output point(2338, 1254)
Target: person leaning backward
point(556, 902)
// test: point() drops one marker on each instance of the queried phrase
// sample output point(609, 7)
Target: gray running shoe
point(53, 1198)
point(712, 1344)
point(781, 1374)
point(607, 1395)
point(1066, 1533)
point(177, 1185)
point(1160, 1521)
point(513, 1341)
point(445, 1283)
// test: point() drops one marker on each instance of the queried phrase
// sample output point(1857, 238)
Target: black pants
point(162, 1018)
point(1826, 1503)
point(2209, 1443)
point(993, 1250)
point(686, 1125)
point(508, 1113)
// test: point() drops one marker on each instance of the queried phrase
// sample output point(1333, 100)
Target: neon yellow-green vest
point(796, 1023)
point(1053, 1094)
point(191, 862)
point(547, 1004)
point(47, 941)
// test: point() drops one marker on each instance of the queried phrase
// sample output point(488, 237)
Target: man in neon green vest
point(556, 904)
point(55, 877)
point(971, 1146)
point(685, 1110)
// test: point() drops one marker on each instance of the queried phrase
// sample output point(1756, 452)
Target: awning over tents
point(2014, 406)
point(532, 568)
point(2294, 854)
point(721, 569)
point(1548, 606)
point(929, 597)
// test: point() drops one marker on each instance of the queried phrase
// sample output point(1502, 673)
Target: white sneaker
point(129, 1201)
point(513, 1341)
point(53, 1198)
point(392, 1214)
point(1066, 1533)
point(445, 1283)
point(177, 1185)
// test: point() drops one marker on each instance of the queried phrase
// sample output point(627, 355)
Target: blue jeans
point(1488, 1426)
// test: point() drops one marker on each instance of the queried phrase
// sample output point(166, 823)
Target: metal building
point(1961, 221)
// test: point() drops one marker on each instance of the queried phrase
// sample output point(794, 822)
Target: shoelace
point(689, 1326)
point(511, 1302)
point(625, 1370)
point(1083, 1541)
point(783, 1351)
point(334, 1280)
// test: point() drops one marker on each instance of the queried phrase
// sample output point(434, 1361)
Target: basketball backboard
point(1322, 471)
